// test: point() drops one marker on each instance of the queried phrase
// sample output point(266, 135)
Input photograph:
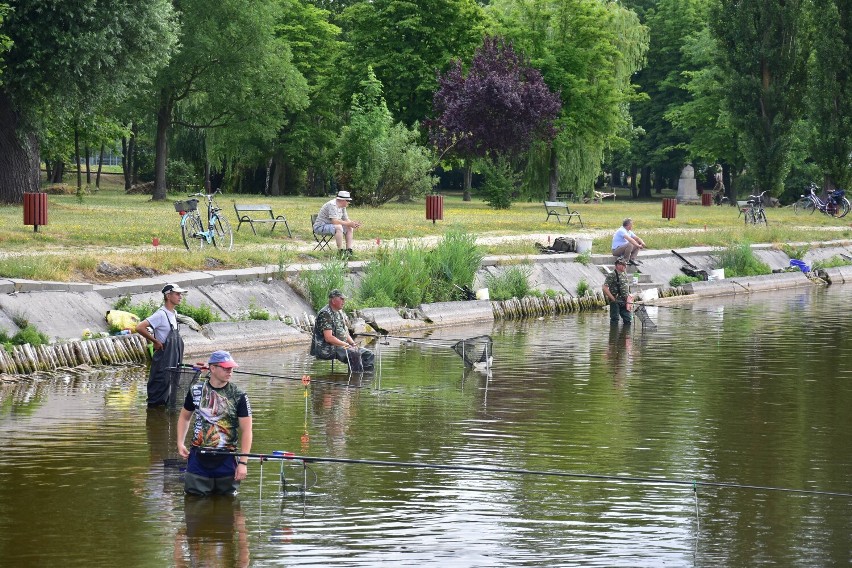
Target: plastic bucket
point(482, 294)
point(583, 245)
point(718, 274)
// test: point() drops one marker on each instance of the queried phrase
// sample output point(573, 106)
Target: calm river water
point(754, 392)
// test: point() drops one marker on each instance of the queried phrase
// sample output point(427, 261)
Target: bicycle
point(218, 232)
point(835, 205)
point(755, 214)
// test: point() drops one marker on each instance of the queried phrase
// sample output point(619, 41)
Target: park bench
point(252, 214)
point(560, 209)
point(567, 196)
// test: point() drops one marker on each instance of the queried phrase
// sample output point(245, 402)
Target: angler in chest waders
point(168, 345)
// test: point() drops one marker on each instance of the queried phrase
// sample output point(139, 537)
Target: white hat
point(344, 195)
point(173, 288)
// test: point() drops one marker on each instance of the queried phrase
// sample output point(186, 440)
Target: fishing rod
point(321, 382)
point(290, 456)
point(408, 339)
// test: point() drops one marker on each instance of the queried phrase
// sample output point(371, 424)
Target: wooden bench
point(252, 214)
point(568, 196)
point(555, 208)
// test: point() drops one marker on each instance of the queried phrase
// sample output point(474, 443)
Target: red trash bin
point(435, 208)
point(706, 198)
point(669, 208)
point(35, 209)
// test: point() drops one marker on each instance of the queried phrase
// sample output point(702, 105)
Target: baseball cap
point(620, 260)
point(223, 359)
point(173, 288)
point(344, 195)
point(336, 294)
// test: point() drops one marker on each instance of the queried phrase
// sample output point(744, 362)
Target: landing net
point(475, 350)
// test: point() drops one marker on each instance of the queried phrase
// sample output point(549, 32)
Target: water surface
point(749, 392)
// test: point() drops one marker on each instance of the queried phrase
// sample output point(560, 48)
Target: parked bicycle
point(754, 213)
point(195, 236)
point(835, 205)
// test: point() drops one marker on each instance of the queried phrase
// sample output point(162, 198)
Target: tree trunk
point(207, 176)
point(88, 165)
point(161, 146)
point(47, 170)
point(100, 167)
point(19, 156)
point(633, 191)
point(58, 173)
point(468, 176)
point(125, 162)
point(554, 174)
point(729, 187)
point(645, 186)
point(277, 177)
point(134, 154)
point(77, 160)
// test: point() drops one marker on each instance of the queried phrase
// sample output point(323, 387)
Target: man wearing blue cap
point(222, 416)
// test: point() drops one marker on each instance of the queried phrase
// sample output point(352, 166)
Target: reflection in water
point(619, 353)
point(215, 533)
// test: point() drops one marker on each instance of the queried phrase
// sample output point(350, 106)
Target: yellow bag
point(122, 320)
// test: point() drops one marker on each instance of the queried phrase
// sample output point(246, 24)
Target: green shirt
point(618, 284)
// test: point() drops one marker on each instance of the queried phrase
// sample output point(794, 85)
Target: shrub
point(584, 258)
point(583, 288)
point(832, 262)
point(454, 263)
point(28, 334)
point(512, 283)
point(797, 252)
point(203, 314)
point(682, 279)
point(399, 276)
point(500, 182)
point(320, 282)
point(739, 260)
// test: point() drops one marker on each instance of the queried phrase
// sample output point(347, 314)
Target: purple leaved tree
point(496, 111)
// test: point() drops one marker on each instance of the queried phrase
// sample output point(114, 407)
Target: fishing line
point(322, 382)
point(521, 471)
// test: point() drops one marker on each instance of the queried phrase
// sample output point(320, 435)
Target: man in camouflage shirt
point(616, 288)
point(331, 339)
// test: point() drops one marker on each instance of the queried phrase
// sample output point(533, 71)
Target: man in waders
point(168, 345)
point(222, 416)
point(616, 288)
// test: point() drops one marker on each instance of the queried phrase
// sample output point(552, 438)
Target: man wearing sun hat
point(222, 418)
point(333, 219)
point(161, 329)
point(331, 338)
point(616, 289)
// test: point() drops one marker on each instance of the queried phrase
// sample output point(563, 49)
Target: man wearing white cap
point(333, 219)
point(222, 418)
point(161, 329)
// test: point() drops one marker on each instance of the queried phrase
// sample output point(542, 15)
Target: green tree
point(829, 93)
point(379, 160)
point(231, 78)
point(309, 135)
point(407, 42)
point(63, 53)
point(763, 50)
point(587, 51)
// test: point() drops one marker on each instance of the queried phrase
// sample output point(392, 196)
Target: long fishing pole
point(280, 455)
point(322, 382)
point(408, 339)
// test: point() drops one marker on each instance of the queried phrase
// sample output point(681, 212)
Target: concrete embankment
point(64, 310)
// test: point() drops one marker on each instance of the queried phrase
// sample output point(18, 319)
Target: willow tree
point(587, 50)
point(763, 51)
point(63, 53)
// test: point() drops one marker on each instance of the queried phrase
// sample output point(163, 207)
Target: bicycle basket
point(188, 205)
point(838, 194)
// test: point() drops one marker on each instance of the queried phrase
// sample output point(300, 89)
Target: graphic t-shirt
point(217, 414)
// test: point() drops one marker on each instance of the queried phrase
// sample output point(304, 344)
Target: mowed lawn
point(117, 228)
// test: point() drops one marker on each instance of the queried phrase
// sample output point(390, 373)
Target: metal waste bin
point(706, 198)
point(669, 208)
point(434, 208)
point(35, 209)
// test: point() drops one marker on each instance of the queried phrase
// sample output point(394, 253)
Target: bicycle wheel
point(223, 236)
point(760, 217)
point(749, 217)
point(193, 232)
point(803, 205)
point(844, 207)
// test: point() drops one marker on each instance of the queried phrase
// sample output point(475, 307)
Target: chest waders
point(159, 381)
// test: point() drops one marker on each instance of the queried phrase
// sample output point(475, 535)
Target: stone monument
point(686, 192)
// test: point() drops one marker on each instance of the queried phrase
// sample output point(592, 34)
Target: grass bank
point(110, 226)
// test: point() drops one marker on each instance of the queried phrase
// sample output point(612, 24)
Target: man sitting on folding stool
point(331, 339)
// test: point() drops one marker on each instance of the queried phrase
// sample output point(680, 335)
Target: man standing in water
point(168, 345)
point(222, 416)
point(616, 288)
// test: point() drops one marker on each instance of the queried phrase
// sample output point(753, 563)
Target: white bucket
point(718, 274)
point(649, 294)
point(583, 245)
point(482, 294)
